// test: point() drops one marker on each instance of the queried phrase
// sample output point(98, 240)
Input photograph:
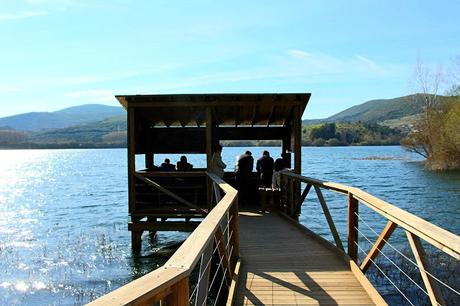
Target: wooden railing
point(213, 245)
point(415, 228)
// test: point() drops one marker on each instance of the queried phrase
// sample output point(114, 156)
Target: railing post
point(234, 226)
point(353, 207)
point(291, 198)
point(179, 294)
point(283, 192)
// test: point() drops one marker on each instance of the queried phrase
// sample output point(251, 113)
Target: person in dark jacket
point(243, 171)
point(167, 166)
point(183, 164)
point(264, 169)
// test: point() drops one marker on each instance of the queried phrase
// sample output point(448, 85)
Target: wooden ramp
point(282, 265)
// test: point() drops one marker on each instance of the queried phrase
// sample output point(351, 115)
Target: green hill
point(36, 121)
point(374, 122)
point(381, 110)
point(110, 131)
point(398, 112)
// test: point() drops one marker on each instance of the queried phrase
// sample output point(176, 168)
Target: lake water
point(63, 213)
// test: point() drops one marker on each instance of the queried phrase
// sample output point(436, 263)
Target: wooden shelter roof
point(227, 109)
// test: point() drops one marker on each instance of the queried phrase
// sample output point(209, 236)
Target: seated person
point(183, 165)
point(167, 166)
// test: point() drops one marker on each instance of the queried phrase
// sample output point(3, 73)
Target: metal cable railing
point(416, 229)
point(386, 276)
point(447, 286)
point(215, 239)
point(225, 238)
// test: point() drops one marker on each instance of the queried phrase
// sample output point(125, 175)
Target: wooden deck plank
point(283, 266)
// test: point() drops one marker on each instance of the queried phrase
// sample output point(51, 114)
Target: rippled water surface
point(63, 213)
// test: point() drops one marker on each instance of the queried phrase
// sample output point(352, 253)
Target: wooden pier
point(282, 264)
point(241, 256)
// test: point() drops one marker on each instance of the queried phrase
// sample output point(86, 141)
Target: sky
point(61, 53)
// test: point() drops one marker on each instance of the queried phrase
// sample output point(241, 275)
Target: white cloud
point(22, 15)
point(324, 64)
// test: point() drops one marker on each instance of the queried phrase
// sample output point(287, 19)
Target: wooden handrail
point(414, 226)
point(163, 283)
point(438, 237)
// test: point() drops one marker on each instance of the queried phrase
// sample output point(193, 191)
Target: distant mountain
point(105, 131)
point(67, 117)
point(381, 110)
point(393, 112)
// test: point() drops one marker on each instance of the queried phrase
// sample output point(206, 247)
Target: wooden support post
point(152, 231)
point(284, 193)
point(353, 206)
point(149, 161)
point(209, 141)
point(329, 219)
point(302, 198)
point(434, 292)
point(297, 129)
point(131, 161)
point(179, 294)
point(291, 198)
point(286, 148)
point(378, 245)
point(136, 241)
point(234, 229)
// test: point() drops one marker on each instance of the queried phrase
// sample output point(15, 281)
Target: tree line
point(350, 133)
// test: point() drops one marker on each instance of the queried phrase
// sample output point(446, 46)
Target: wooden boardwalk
point(282, 265)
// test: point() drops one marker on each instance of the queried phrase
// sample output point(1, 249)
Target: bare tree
point(434, 135)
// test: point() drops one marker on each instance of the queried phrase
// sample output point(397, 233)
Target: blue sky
point(61, 53)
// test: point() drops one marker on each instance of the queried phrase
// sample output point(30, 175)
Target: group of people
point(267, 169)
point(181, 165)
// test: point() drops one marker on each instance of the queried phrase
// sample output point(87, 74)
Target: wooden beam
point(271, 115)
point(237, 116)
point(212, 99)
point(431, 285)
point(302, 198)
point(214, 114)
point(378, 245)
point(254, 114)
point(329, 219)
point(254, 133)
point(183, 226)
point(353, 210)
point(169, 193)
point(288, 115)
